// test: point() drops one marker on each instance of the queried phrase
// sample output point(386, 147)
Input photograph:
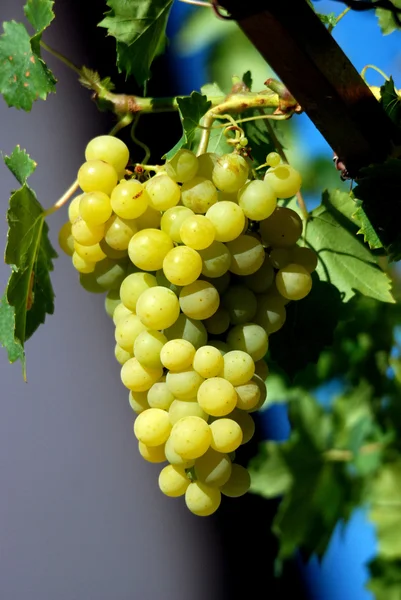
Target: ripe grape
point(173, 481)
point(174, 458)
point(230, 173)
point(239, 367)
point(152, 454)
point(85, 234)
point(132, 287)
point(110, 274)
point(246, 423)
point(120, 312)
point(270, 314)
point(109, 149)
point(240, 303)
point(249, 338)
point(216, 260)
point(118, 232)
point(177, 354)
point(190, 437)
point(138, 378)
point(150, 219)
point(148, 248)
point(305, 257)
point(164, 282)
point(147, 348)
point(261, 369)
point(282, 229)
point(213, 468)
point(158, 307)
point(202, 499)
point(197, 232)
point(111, 301)
point(185, 408)
point(226, 435)
point(152, 427)
point(220, 283)
point(257, 199)
point(294, 282)
point(219, 322)
point(81, 264)
point(95, 208)
point(183, 166)
point(97, 176)
point(121, 355)
point(247, 255)
point(199, 300)
point(184, 384)
point(208, 362)
point(239, 482)
point(127, 330)
point(182, 265)
point(221, 346)
point(189, 330)
point(280, 257)
point(217, 396)
point(73, 209)
point(159, 396)
point(198, 194)
point(273, 159)
point(206, 164)
point(228, 220)
point(163, 192)
point(89, 253)
point(248, 395)
point(262, 279)
point(284, 180)
point(172, 220)
point(129, 199)
point(65, 239)
point(138, 401)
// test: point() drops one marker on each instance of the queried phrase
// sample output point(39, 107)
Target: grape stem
point(61, 58)
point(64, 198)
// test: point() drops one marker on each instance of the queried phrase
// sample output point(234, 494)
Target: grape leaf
point(385, 579)
point(39, 13)
point(20, 164)
point(330, 19)
point(344, 260)
point(14, 348)
point(387, 23)
point(391, 101)
point(385, 509)
point(270, 476)
point(139, 27)
point(366, 229)
point(191, 110)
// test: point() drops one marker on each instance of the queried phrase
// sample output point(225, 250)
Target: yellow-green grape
point(261, 369)
point(147, 347)
point(152, 427)
point(164, 282)
point(248, 395)
point(184, 385)
point(127, 330)
point(240, 303)
point(217, 396)
point(282, 229)
point(273, 159)
point(226, 435)
point(220, 283)
point(120, 312)
point(239, 367)
point(73, 209)
point(274, 293)
point(111, 302)
point(199, 194)
point(89, 253)
point(95, 208)
point(85, 234)
point(177, 354)
point(111, 252)
point(82, 265)
point(249, 338)
point(129, 199)
point(65, 239)
point(173, 481)
point(284, 180)
point(97, 176)
point(216, 260)
point(138, 401)
point(110, 273)
point(174, 458)
point(247, 255)
point(158, 307)
point(270, 314)
point(121, 355)
point(202, 499)
point(183, 166)
point(172, 220)
point(132, 287)
point(294, 282)
point(262, 279)
point(159, 396)
point(257, 199)
point(238, 484)
point(199, 300)
point(89, 282)
point(206, 164)
point(197, 232)
point(305, 257)
point(182, 265)
point(218, 323)
point(185, 408)
point(187, 329)
point(150, 219)
point(208, 362)
point(213, 468)
point(109, 149)
point(280, 257)
point(246, 423)
point(263, 393)
point(152, 454)
point(190, 437)
point(118, 232)
point(163, 192)
point(138, 378)
point(148, 248)
point(228, 220)
point(230, 173)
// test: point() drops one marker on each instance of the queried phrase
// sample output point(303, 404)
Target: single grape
point(199, 300)
point(257, 199)
point(111, 302)
point(152, 454)
point(110, 273)
point(65, 239)
point(248, 395)
point(198, 194)
point(216, 260)
point(177, 354)
point(147, 347)
point(280, 257)
point(221, 346)
point(118, 232)
point(202, 499)
point(228, 220)
point(189, 330)
point(305, 257)
point(219, 322)
point(240, 303)
point(164, 282)
point(82, 265)
point(282, 229)
point(185, 408)
point(249, 338)
point(129, 199)
point(284, 180)
point(85, 234)
point(127, 330)
point(208, 362)
point(120, 312)
point(174, 458)
point(206, 164)
point(263, 393)
point(246, 423)
point(148, 248)
point(95, 208)
point(111, 252)
point(261, 369)
point(152, 427)
point(239, 482)
point(150, 219)
point(217, 396)
point(183, 166)
point(132, 287)
point(121, 355)
point(294, 282)
point(184, 384)
point(138, 401)
point(109, 149)
point(197, 232)
point(172, 220)
point(190, 437)
point(270, 314)
point(182, 265)
point(173, 481)
point(159, 396)
point(163, 192)
point(226, 435)
point(230, 173)
point(247, 255)
point(158, 307)
point(273, 159)
point(139, 378)
point(213, 468)
point(89, 253)
point(73, 209)
point(97, 176)
point(262, 279)
point(89, 282)
point(239, 367)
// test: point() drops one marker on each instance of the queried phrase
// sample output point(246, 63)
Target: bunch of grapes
point(198, 262)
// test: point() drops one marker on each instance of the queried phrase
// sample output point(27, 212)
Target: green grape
point(189, 330)
point(73, 209)
point(111, 302)
point(139, 379)
point(246, 423)
point(274, 293)
point(120, 312)
point(148, 248)
point(228, 220)
point(121, 355)
point(198, 194)
point(95, 208)
point(129, 199)
point(270, 314)
point(118, 232)
point(158, 307)
point(82, 265)
point(97, 176)
point(262, 279)
point(250, 338)
point(152, 454)
point(216, 260)
point(257, 199)
point(220, 283)
point(199, 300)
point(239, 367)
point(110, 274)
point(65, 239)
point(282, 229)
point(219, 322)
point(147, 347)
point(127, 330)
point(217, 396)
point(202, 499)
point(85, 234)
point(239, 482)
point(184, 384)
point(177, 354)
point(152, 427)
point(111, 252)
point(280, 257)
point(159, 396)
point(173, 481)
point(284, 180)
point(89, 253)
point(240, 303)
point(132, 287)
point(294, 282)
point(172, 220)
point(263, 392)
point(247, 255)
point(190, 437)
point(208, 362)
point(174, 458)
point(197, 232)
point(182, 265)
point(220, 345)
point(213, 468)
point(163, 192)
point(226, 435)
point(138, 401)
point(305, 257)
point(150, 219)
point(89, 282)
point(206, 164)
point(261, 369)
point(185, 408)
point(273, 159)
point(183, 166)
point(108, 149)
point(164, 282)
point(248, 395)
point(230, 173)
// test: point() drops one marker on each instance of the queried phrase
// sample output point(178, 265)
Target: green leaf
point(139, 27)
point(191, 110)
point(270, 476)
point(330, 19)
point(39, 13)
point(24, 77)
point(14, 348)
point(385, 509)
point(385, 579)
point(20, 164)
point(391, 101)
point(344, 260)
point(387, 23)
point(366, 229)
point(212, 90)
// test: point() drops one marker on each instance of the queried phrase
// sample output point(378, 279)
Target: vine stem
point(338, 19)
point(61, 57)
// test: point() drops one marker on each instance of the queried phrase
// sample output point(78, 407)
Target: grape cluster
point(198, 263)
